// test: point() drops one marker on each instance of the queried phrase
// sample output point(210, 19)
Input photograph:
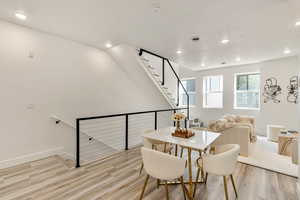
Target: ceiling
point(257, 29)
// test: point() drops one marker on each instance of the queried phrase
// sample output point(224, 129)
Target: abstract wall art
point(293, 90)
point(271, 90)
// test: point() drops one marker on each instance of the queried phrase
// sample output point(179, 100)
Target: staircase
point(164, 76)
point(101, 136)
point(157, 79)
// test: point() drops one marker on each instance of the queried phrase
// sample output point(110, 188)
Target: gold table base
point(185, 182)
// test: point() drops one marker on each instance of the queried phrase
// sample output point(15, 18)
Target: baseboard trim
point(66, 155)
point(31, 157)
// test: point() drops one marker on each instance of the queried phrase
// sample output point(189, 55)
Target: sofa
point(235, 129)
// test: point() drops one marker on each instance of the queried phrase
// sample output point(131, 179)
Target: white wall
point(299, 138)
point(270, 113)
point(65, 79)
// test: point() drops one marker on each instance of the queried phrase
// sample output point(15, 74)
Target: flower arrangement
point(178, 116)
point(181, 132)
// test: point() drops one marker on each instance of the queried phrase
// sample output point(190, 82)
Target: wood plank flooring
point(116, 178)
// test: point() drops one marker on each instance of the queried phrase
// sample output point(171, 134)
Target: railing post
point(188, 106)
point(140, 52)
point(174, 111)
point(177, 92)
point(163, 72)
point(155, 120)
point(77, 143)
point(126, 132)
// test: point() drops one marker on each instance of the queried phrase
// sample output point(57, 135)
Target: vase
point(177, 125)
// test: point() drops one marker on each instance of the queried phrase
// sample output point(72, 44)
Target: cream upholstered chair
point(221, 163)
point(163, 166)
point(156, 145)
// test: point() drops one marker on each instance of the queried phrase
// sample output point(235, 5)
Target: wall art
point(271, 90)
point(293, 90)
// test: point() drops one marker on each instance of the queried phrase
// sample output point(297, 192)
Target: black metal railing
point(126, 115)
point(163, 77)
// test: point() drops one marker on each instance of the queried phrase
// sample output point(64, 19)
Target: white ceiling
point(257, 29)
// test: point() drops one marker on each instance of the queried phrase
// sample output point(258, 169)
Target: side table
point(287, 144)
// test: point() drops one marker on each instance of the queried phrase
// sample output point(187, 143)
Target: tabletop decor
point(183, 133)
point(177, 117)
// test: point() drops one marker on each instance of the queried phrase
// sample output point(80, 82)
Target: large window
point(213, 91)
point(190, 86)
point(247, 91)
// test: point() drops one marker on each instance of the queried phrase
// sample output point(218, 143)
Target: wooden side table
point(286, 144)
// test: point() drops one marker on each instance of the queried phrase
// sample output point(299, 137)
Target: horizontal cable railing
point(113, 133)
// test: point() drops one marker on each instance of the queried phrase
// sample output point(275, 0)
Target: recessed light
point(224, 41)
point(287, 51)
point(202, 64)
point(20, 15)
point(237, 59)
point(108, 45)
point(179, 52)
point(297, 23)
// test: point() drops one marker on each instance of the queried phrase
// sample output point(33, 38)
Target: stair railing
point(164, 61)
point(126, 117)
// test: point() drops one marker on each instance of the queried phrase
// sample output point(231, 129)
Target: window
point(190, 86)
point(213, 91)
point(247, 91)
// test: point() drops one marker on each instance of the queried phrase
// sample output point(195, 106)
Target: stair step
point(145, 59)
point(155, 74)
point(150, 67)
point(158, 81)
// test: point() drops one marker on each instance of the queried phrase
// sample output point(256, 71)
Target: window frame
point(195, 92)
point(236, 91)
point(204, 93)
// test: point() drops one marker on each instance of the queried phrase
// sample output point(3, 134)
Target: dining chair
point(222, 163)
point(156, 145)
point(163, 166)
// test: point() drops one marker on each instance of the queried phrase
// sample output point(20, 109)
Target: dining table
point(200, 142)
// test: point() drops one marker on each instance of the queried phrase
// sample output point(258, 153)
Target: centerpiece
point(181, 132)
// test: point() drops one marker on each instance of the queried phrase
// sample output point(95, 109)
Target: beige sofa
point(235, 130)
point(236, 135)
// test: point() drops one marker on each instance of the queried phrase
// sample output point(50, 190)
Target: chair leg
point(181, 152)
point(206, 176)
point(142, 166)
point(144, 187)
point(181, 155)
point(233, 184)
point(176, 150)
point(182, 185)
point(167, 190)
point(185, 189)
point(157, 183)
point(197, 178)
point(225, 187)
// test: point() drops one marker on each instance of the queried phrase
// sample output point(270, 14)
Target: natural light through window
point(190, 86)
point(247, 91)
point(213, 91)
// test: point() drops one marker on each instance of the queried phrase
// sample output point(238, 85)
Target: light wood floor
point(116, 178)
